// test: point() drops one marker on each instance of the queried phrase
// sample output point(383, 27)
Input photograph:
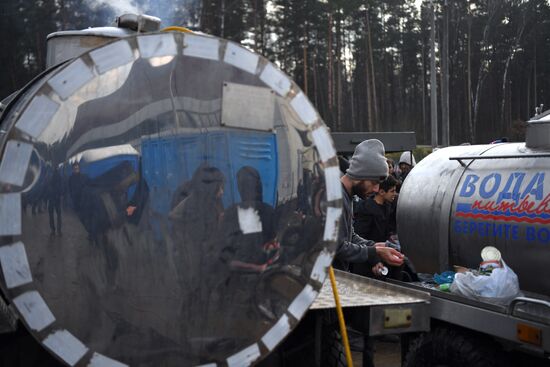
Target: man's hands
point(389, 255)
point(130, 210)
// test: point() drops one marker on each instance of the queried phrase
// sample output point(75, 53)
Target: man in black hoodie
point(373, 217)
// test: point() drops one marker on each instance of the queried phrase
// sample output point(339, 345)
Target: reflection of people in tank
point(196, 218)
point(104, 201)
point(249, 247)
point(195, 222)
point(136, 205)
point(201, 206)
point(250, 226)
point(55, 191)
point(76, 183)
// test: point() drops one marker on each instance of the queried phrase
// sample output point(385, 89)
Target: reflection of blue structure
point(96, 162)
point(93, 169)
point(168, 162)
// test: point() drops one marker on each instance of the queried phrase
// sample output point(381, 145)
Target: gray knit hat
point(368, 161)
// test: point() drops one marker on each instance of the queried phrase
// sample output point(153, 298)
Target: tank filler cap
point(138, 22)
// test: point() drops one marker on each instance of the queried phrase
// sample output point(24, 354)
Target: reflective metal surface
point(448, 213)
point(179, 204)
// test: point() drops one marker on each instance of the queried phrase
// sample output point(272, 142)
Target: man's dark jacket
point(352, 248)
point(372, 220)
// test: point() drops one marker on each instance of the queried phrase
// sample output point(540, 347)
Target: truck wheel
point(304, 348)
point(332, 352)
point(450, 347)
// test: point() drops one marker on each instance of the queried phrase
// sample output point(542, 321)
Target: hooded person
point(406, 163)
point(250, 226)
point(249, 247)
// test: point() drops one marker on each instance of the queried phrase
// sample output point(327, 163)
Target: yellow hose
point(175, 28)
point(340, 314)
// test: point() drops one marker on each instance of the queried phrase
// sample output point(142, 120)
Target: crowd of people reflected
point(207, 255)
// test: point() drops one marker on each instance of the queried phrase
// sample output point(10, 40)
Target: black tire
point(301, 348)
point(332, 349)
point(451, 347)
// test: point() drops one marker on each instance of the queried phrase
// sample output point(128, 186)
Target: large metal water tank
point(460, 199)
point(160, 206)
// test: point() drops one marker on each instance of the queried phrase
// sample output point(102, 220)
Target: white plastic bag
point(501, 286)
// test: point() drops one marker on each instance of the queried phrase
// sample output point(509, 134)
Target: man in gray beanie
point(367, 168)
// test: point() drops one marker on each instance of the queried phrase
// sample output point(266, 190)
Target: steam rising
point(119, 6)
point(182, 12)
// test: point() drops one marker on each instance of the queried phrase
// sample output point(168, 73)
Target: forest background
point(365, 64)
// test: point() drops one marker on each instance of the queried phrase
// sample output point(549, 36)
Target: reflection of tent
point(169, 162)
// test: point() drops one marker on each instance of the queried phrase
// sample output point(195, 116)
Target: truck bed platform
point(377, 306)
point(507, 322)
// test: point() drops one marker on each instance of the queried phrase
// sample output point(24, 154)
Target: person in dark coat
point(196, 220)
point(102, 202)
point(406, 164)
point(55, 191)
point(249, 247)
point(250, 226)
point(77, 182)
point(199, 212)
point(374, 218)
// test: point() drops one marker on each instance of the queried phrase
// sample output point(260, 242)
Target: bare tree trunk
point(63, 15)
point(13, 74)
point(445, 126)
point(305, 60)
point(372, 84)
point(535, 91)
point(349, 76)
point(469, 86)
point(314, 71)
point(339, 72)
point(370, 119)
point(39, 59)
point(505, 78)
point(255, 24)
point(528, 105)
point(206, 17)
point(424, 92)
point(258, 24)
point(433, 83)
point(493, 11)
point(330, 76)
